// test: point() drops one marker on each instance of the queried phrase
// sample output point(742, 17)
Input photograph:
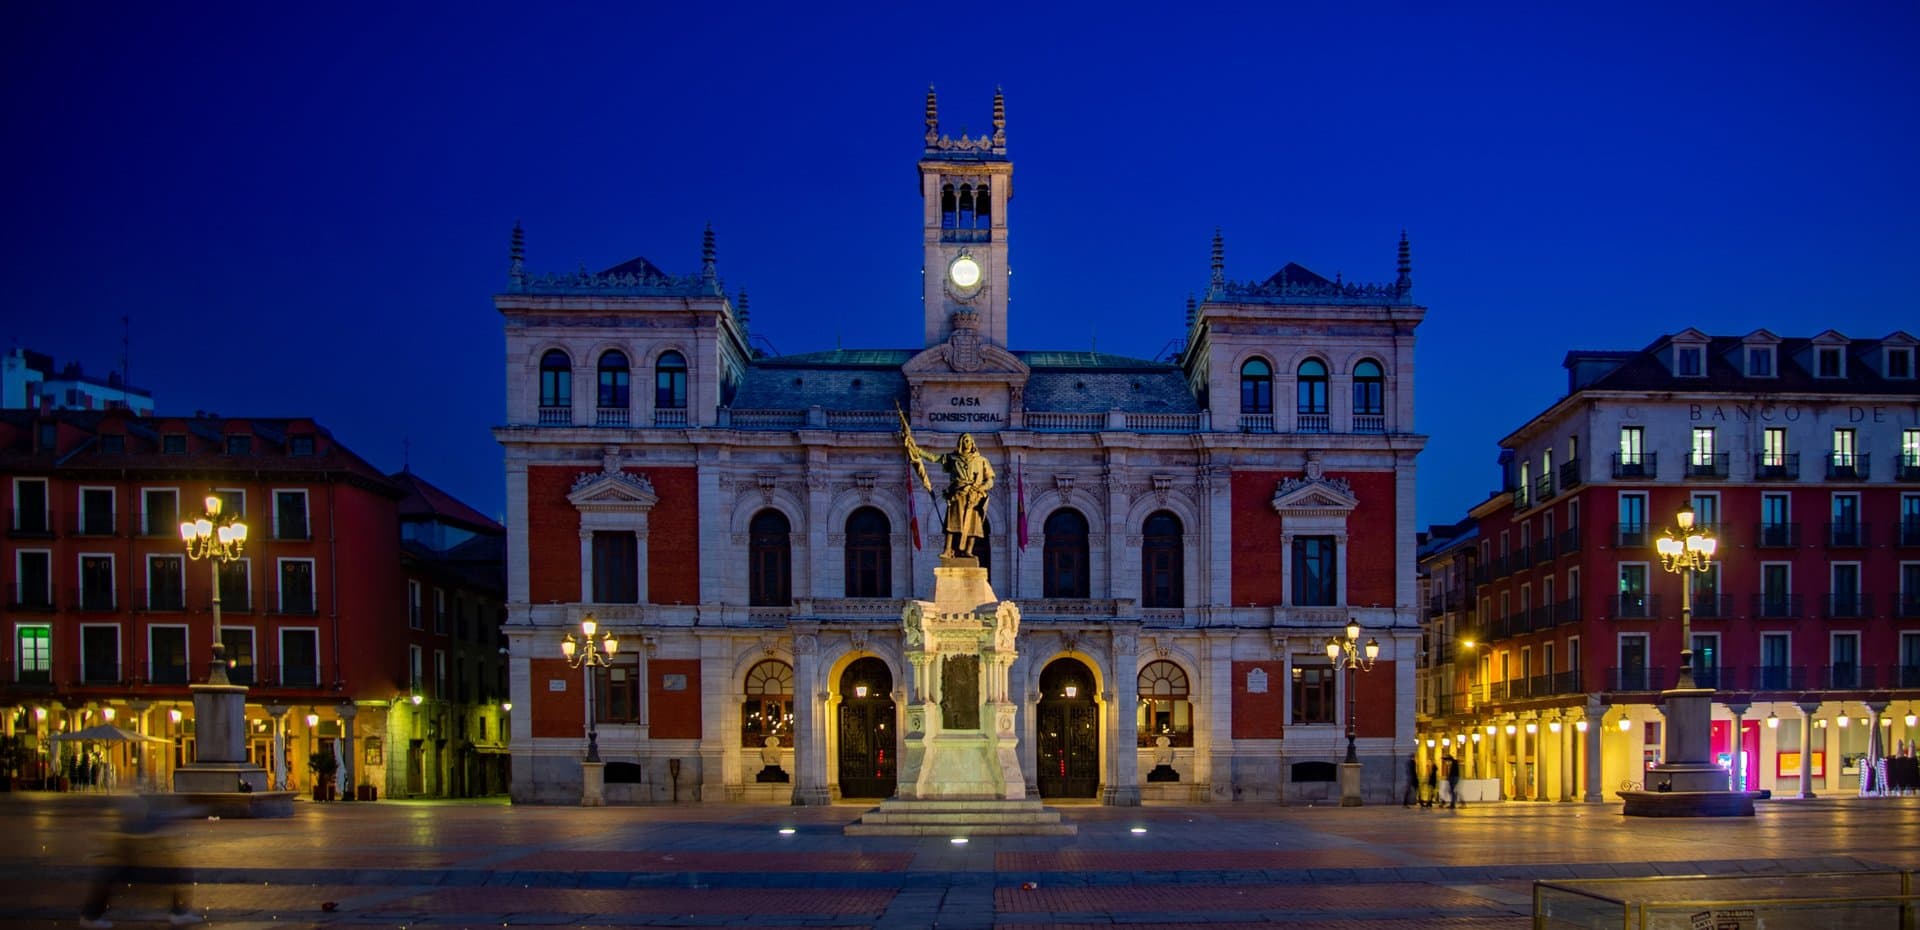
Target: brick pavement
point(418, 864)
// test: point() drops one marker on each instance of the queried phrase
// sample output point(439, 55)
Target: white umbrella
point(1873, 773)
point(107, 733)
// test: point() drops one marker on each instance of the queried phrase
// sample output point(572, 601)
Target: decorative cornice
point(616, 285)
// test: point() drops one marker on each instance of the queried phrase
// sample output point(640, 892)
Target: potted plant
point(324, 765)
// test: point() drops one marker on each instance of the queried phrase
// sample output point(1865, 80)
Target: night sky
point(306, 212)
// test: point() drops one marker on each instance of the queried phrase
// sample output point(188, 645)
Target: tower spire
point(999, 119)
point(933, 117)
point(1190, 311)
point(707, 270)
point(517, 254)
point(740, 310)
point(1404, 283)
point(1219, 276)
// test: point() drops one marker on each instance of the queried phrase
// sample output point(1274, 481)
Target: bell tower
point(964, 187)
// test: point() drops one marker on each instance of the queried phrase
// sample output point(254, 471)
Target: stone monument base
point(212, 789)
point(896, 817)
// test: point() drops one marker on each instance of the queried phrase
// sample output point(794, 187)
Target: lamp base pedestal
point(593, 784)
point(1349, 784)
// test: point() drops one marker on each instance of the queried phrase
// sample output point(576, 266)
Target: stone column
point(1596, 717)
point(277, 718)
point(1535, 760)
point(1123, 787)
point(1566, 743)
point(586, 563)
point(809, 720)
point(1736, 769)
point(720, 757)
point(1806, 748)
point(347, 714)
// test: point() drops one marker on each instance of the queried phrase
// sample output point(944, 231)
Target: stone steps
point(961, 818)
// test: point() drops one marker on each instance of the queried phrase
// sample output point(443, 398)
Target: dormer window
point(173, 443)
point(239, 445)
point(300, 445)
point(1760, 361)
point(1689, 361)
point(1829, 362)
point(1900, 363)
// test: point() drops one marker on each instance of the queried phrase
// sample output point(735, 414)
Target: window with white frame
point(33, 649)
point(1759, 361)
point(96, 512)
point(290, 515)
point(1632, 674)
point(296, 587)
point(440, 674)
point(1908, 674)
point(300, 657)
point(166, 655)
point(1689, 361)
point(1706, 660)
point(32, 515)
point(240, 655)
point(1633, 520)
point(236, 585)
point(1829, 362)
point(32, 579)
point(1843, 667)
point(1899, 362)
point(166, 583)
point(1845, 599)
point(97, 582)
point(100, 653)
point(159, 511)
point(1702, 456)
point(1631, 601)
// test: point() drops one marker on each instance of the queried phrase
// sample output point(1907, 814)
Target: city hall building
point(1182, 537)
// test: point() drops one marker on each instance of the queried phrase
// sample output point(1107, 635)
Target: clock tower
point(964, 187)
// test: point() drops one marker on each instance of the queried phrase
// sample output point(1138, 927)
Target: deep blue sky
point(324, 198)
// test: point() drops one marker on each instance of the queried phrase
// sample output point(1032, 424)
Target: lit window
point(556, 379)
point(613, 380)
point(1312, 388)
point(1164, 708)
point(1256, 387)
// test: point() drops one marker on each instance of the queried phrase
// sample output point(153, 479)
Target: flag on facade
point(1020, 478)
point(913, 513)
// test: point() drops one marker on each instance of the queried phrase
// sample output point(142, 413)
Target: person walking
point(1413, 783)
point(1453, 782)
point(1432, 796)
point(137, 844)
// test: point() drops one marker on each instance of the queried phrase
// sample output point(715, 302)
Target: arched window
point(769, 560)
point(947, 207)
point(982, 206)
point(1162, 562)
point(1164, 709)
point(1256, 387)
point(1064, 559)
point(670, 382)
point(966, 206)
point(767, 708)
point(556, 379)
point(869, 555)
point(613, 379)
point(1369, 389)
point(1313, 387)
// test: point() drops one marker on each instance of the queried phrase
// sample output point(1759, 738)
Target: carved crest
point(612, 487)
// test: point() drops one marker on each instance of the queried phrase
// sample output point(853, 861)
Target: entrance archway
point(1067, 732)
point(869, 752)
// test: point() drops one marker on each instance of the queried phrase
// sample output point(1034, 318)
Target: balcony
point(30, 597)
point(1906, 676)
point(1569, 541)
point(1312, 423)
point(1707, 465)
point(1777, 678)
point(670, 418)
point(1712, 606)
point(1842, 466)
point(299, 676)
point(30, 677)
point(1543, 551)
point(1908, 467)
point(1847, 535)
point(92, 600)
point(1909, 532)
point(99, 673)
point(1371, 423)
point(1521, 499)
point(1853, 606)
point(1908, 606)
point(1633, 606)
point(611, 416)
point(1502, 567)
point(1707, 677)
point(1543, 489)
point(1776, 466)
point(556, 416)
point(1630, 535)
point(96, 523)
point(1568, 611)
point(1570, 474)
point(1635, 465)
point(1256, 423)
point(1638, 678)
point(1846, 677)
point(1523, 557)
point(294, 603)
point(1776, 606)
point(162, 600)
point(1777, 536)
point(164, 673)
point(32, 523)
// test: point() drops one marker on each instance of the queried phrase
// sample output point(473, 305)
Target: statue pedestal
point(593, 784)
point(960, 762)
point(1688, 783)
point(220, 780)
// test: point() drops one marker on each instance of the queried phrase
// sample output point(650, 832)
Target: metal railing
point(1543, 550)
point(1852, 534)
point(1630, 535)
point(1776, 606)
point(957, 234)
point(1641, 465)
point(1625, 606)
point(1777, 535)
point(99, 673)
point(292, 603)
point(1543, 488)
point(30, 597)
point(1845, 677)
point(1909, 605)
point(1636, 678)
point(1570, 474)
point(1777, 677)
point(1707, 465)
point(164, 673)
point(94, 523)
point(1570, 540)
point(1852, 606)
point(1776, 467)
point(92, 600)
point(1909, 532)
point(1712, 606)
point(163, 600)
point(1842, 466)
point(1521, 500)
point(32, 523)
point(1908, 467)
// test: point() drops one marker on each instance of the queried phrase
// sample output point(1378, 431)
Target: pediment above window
point(1317, 496)
point(612, 489)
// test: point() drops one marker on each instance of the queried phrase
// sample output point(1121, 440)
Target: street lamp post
point(1690, 550)
point(217, 540)
point(1349, 652)
point(588, 653)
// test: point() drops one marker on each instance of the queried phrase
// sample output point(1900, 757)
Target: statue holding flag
point(969, 478)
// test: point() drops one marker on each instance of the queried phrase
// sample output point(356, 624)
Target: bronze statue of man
point(969, 478)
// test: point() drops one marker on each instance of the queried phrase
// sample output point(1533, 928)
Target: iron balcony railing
point(1776, 466)
point(92, 600)
point(1570, 540)
point(1776, 606)
point(1521, 497)
point(1543, 488)
point(1847, 534)
point(1846, 677)
point(1847, 606)
point(1842, 466)
point(1543, 550)
point(1909, 606)
point(1777, 677)
point(1906, 676)
point(1570, 474)
point(162, 600)
point(294, 603)
point(1909, 534)
point(1707, 465)
point(164, 673)
point(1635, 465)
point(1708, 677)
point(95, 522)
point(1712, 606)
point(30, 597)
point(32, 523)
point(99, 673)
point(957, 234)
point(1777, 536)
point(1630, 535)
point(1908, 468)
point(1626, 606)
point(1523, 557)
point(33, 675)
point(1636, 678)
point(1568, 611)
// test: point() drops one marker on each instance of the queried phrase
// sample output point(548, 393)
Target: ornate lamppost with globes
point(216, 539)
point(1348, 652)
point(1684, 553)
point(593, 649)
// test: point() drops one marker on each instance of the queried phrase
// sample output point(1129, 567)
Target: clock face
point(964, 272)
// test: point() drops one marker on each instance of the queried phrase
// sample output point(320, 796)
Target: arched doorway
point(1067, 732)
point(869, 752)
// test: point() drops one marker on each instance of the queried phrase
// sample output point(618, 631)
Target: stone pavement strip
point(470, 864)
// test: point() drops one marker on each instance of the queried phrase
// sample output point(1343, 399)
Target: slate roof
point(143, 447)
point(1650, 370)
point(1295, 275)
point(637, 265)
point(870, 379)
point(425, 501)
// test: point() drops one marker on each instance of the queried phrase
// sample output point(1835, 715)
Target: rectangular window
point(1687, 361)
point(1633, 521)
point(1632, 672)
point(1315, 573)
point(1827, 362)
point(1909, 672)
point(1844, 670)
point(236, 588)
point(1846, 462)
point(1632, 596)
point(1775, 593)
point(167, 655)
point(100, 653)
point(33, 579)
point(300, 445)
point(1910, 453)
point(1706, 510)
point(1909, 590)
point(1759, 361)
point(1845, 530)
point(1706, 660)
point(1775, 658)
point(1899, 363)
point(96, 511)
point(1846, 599)
point(415, 618)
point(440, 611)
point(1631, 461)
point(166, 582)
point(1773, 453)
point(300, 658)
point(440, 674)
point(1702, 447)
point(296, 587)
point(290, 515)
point(239, 445)
point(159, 512)
point(35, 652)
point(616, 569)
point(240, 656)
point(1313, 690)
point(417, 669)
point(30, 514)
point(1775, 528)
point(96, 583)
point(174, 444)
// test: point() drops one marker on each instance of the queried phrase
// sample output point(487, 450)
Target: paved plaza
point(472, 864)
